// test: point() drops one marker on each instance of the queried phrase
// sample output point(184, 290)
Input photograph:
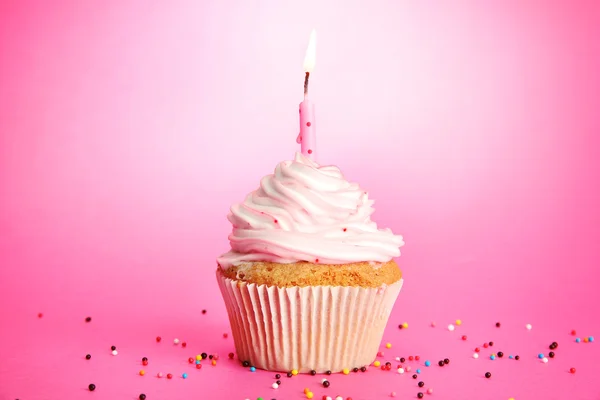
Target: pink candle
point(307, 137)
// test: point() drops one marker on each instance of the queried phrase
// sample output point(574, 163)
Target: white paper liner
point(321, 328)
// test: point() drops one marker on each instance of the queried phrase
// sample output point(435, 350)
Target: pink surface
point(124, 137)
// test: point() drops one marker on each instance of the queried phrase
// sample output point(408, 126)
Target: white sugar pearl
point(397, 358)
point(450, 327)
point(475, 355)
point(339, 398)
point(544, 360)
point(328, 398)
point(528, 326)
point(275, 385)
point(114, 352)
point(400, 370)
point(176, 341)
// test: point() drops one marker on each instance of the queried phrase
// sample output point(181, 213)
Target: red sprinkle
point(572, 370)
point(309, 151)
point(317, 260)
point(477, 350)
point(231, 355)
point(225, 335)
point(464, 337)
point(485, 345)
point(345, 229)
point(169, 376)
point(198, 366)
point(275, 220)
point(191, 360)
point(184, 344)
point(417, 358)
point(410, 358)
point(40, 315)
point(573, 332)
point(158, 339)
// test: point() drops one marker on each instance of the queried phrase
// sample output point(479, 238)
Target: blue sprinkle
point(197, 362)
point(578, 340)
point(252, 369)
point(418, 371)
point(427, 363)
point(184, 376)
point(492, 357)
point(591, 338)
point(540, 356)
point(511, 357)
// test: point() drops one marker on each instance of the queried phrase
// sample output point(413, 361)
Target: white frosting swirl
point(307, 212)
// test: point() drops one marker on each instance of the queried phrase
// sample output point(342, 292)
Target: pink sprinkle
point(225, 335)
point(407, 368)
point(275, 220)
point(309, 151)
point(40, 315)
point(429, 391)
point(393, 394)
point(317, 260)
point(160, 375)
point(308, 124)
point(380, 354)
point(433, 324)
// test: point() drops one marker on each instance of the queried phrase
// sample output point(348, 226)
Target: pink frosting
point(307, 212)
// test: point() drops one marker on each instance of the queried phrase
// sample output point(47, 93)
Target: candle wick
point(306, 83)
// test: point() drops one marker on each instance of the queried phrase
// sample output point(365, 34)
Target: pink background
point(128, 127)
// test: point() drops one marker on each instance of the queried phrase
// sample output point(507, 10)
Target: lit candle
point(306, 138)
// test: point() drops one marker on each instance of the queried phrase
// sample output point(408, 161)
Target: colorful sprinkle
point(450, 327)
point(475, 355)
point(458, 322)
point(345, 371)
point(388, 345)
point(252, 369)
point(376, 363)
point(427, 363)
point(528, 326)
point(184, 375)
point(176, 341)
point(142, 372)
point(294, 372)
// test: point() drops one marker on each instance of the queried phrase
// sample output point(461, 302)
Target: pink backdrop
point(128, 127)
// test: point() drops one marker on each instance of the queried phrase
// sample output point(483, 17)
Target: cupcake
point(310, 280)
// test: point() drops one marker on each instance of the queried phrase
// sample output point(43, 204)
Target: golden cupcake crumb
point(363, 274)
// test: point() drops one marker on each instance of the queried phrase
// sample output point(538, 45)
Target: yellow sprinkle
point(458, 322)
point(309, 395)
point(405, 325)
point(199, 357)
point(346, 371)
point(294, 372)
point(388, 345)
point(306, 390)
point(512, 398)
point(214, 362)
point(142, 372)
point(377, 363)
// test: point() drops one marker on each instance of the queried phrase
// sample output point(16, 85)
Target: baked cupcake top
point(307, 212)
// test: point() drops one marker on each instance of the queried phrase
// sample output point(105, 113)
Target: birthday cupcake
point(310, 280)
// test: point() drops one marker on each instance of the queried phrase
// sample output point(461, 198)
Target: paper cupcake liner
point(321, 328)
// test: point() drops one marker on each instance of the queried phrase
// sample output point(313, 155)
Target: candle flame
point(311, 52)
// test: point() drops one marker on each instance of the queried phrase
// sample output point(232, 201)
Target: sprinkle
point(427, 363)
point(377, 363)
point(414, 376)
point(92, 387)
point(400, 370)
point(450, 327)
point(203, 311)
point(309, 395)
point(417, 358)
point(198, 366)
point(517, 357)
point(433, 324)
point(225, 336)
point(572, 370)
point(306, 390)
point(429, 391)
point(485, 345)
point(294, 372)
point(393, 394)
point(441, 363)
point(420, 395)
point(475, 355)
point(388, 345)
point(397, 358)
point(540, 356)
point(142, 372)
point(528, 326)
point(191, 360)
point(578, 340)
point(326, 384)
point(363, 369)
point(346, 371)
point(231, 355)
point(405, 325)
point(488, 375)
point(199, 357)
point(158, 339)
point(380, 354)
point(113, 347)
point(169, 376)
point(252, 369)
point(591, 339)
point(410, 358)
point(544, 360)
point(511, 357)
point(145, 360)
point(407, 368)
point(213, 362)
point(40, 315)
point(88, 356)
point(458, 322)
point(477, 350)
point(313, 372)
point(176, 341)
point(184, 344)
point(339, 398)
point(492, 357)
point(184, 375)
point(142, 396)
point(573, 332)
point(418, 371)
point(159, 375)
point(275, 386)
point(464, 337)
point(497, 324)
point(114, 352)
point(88, 319)
point(551, 354)
point(421, 384)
